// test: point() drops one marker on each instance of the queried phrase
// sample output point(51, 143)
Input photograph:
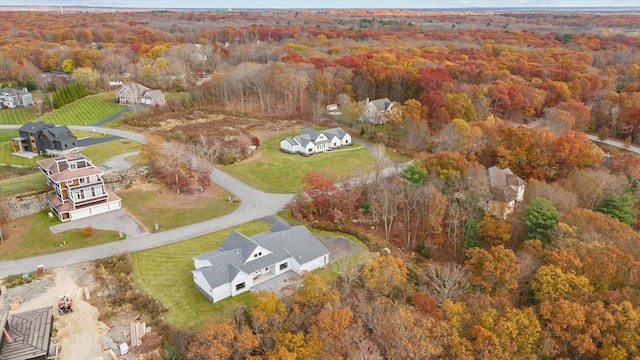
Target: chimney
point(366, 101)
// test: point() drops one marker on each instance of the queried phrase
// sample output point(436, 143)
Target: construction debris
point(138, 330)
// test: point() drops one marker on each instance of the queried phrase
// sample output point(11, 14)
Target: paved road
point(616, 143)
point(118, 162)
point(254, 204)
point(114, 116)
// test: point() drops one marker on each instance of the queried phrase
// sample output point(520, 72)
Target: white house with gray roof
point(243, 262)
point(313, 141)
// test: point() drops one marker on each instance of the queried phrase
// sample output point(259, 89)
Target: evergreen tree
point(540, 219)
point(620, 207)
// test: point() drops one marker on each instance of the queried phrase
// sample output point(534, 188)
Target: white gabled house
point(312, 141)
point(243, 262)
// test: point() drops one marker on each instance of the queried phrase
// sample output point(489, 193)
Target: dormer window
point(73, 166)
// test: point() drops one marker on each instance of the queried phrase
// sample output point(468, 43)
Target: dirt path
point(79, 334)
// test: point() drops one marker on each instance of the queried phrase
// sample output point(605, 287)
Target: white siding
point(314, 264)
point(286, 146)
point(221, 292)
point(99, 209)
point(241, 278)
point(346, 140)
point(79, 214)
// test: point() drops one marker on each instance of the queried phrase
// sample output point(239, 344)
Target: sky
point(285, 4)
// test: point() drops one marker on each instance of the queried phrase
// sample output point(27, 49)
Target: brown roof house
point(79, 186)
point(26, 335)
point(507, 189)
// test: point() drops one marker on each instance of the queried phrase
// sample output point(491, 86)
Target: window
point(81, 180)
point(284, 266)
point(93, 178)
point(240, 286)
point(72, 166)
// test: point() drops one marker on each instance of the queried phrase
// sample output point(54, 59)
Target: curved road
point(254, 204)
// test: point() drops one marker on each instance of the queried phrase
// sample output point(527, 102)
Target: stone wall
point(27, 203)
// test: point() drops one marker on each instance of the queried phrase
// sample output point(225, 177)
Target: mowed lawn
point(17, 116)
point(98, 153)
point(85, 111)
point(165, 274)
point(276, 172)
point(38, 238)
point(170, 210)
point(23, 184)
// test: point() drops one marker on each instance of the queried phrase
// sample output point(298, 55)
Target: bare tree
point(445, 282)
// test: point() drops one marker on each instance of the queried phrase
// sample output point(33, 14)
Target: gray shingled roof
point(30, 332)
point(502, 183)
point(381, 104)
point(339, 132)
point(59, 133)
point(282, 242)
point(153, 94)
point(33, 127)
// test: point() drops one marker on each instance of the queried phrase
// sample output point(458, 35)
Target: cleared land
point(30, 236)
point(151, 203)
point(274, 171)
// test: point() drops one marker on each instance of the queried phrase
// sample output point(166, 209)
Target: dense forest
point(556, 278)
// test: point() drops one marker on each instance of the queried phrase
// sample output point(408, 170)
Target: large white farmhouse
point(242, 262)
point(313, 141)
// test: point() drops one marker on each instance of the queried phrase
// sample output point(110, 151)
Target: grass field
point(277, 172)
point(172, 210)
point(165, 274)
point(99, 153)
point(22, 184)
point(17, 116)
point(85, 111)
point(39, 240)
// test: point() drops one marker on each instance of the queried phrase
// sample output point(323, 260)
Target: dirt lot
point(80, 334)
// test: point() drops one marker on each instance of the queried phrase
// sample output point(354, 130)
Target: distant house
point(12, 98)
point(506, 190)
point(332, 107)
point(39, 137)
point(153, 97)
point(373, 111)
point(79, 186)
point(134, 93)
point(26, 335)
point(115, 82)
point(312, 141)
point(243, 262)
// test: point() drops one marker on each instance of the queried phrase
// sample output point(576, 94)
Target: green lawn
point(85, 111)
point(278, 172)
point(165, 274)
point(99, 153)
point(149, 208)
point(17, 116)
point(22, 184)
point(39, 239)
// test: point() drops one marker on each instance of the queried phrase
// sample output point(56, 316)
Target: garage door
point(95, 210)
point(79, 214)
